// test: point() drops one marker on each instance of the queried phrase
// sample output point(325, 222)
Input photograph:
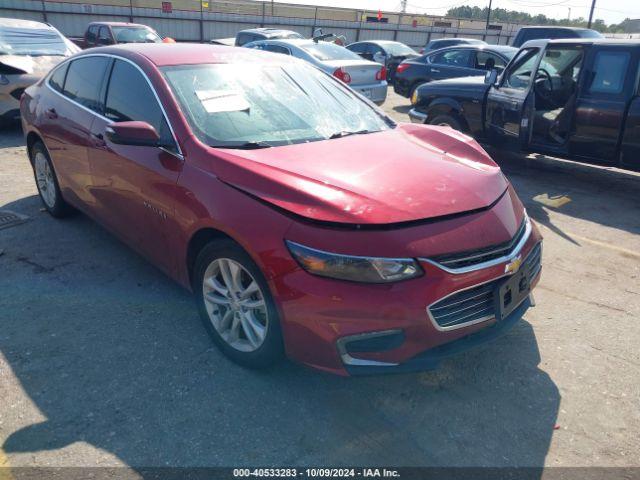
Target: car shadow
point(603, 195)
point(402, 108)
point(112, 353)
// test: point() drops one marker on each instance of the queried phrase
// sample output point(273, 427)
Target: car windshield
point(32, 41)
point(398, 49)
point(329, 51)
point(135, 35)
point(243, 105)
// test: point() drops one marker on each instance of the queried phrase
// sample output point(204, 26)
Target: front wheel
point(446, 120)
point(236, 306)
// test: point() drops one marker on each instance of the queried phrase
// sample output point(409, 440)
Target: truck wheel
point(446, 120)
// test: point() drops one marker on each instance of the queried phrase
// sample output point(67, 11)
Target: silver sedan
point(365, 77)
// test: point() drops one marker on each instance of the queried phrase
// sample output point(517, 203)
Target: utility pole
point(593, 6)
point(489, 15)
point(569, 16)
point(403, 6)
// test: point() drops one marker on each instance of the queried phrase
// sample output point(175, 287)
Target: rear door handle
point(51, 113)
point(98, 139)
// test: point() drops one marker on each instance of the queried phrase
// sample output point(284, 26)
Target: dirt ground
point(104, 361)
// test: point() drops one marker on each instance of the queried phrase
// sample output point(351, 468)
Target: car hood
point(25, 64)
point(409, 173)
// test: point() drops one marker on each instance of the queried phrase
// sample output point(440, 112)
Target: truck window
point(92, 34)
point(610, 70)
point(519, 75)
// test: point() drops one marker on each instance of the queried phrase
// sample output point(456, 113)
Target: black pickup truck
point(575, 99)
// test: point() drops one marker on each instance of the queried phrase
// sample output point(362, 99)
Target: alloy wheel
point(235, 304)
point(44, 177)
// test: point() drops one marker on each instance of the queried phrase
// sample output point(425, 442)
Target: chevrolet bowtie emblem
point(513, 266)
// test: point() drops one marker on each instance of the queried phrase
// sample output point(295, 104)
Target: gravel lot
point(104, 361)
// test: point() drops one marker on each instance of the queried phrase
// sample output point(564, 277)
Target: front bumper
point(324, 319)
point(417, 116)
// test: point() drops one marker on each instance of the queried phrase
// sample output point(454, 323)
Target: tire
point(447, 120)
point(47, 182)
point(233, 326)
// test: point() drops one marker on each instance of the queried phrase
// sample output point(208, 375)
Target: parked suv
point(569, 98)
point(550, 33)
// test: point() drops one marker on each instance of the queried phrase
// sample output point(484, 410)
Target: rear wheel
point(446, 120)
point(236, 306)
point(47, 182)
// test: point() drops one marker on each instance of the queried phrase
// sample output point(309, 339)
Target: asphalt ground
point(104, 361)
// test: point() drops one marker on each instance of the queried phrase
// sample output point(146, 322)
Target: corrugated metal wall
point(221, 19)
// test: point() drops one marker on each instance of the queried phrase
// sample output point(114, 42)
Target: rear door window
point(84, 81)
point(129, 97)
point(610, 71)
point(454, 58)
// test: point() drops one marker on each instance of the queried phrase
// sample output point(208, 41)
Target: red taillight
point(402, 67)
point(381, 74)
point(341, 74)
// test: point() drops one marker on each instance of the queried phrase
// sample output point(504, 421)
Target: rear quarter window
point(56, 81)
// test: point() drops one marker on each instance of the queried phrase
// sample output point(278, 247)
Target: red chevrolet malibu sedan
point(305, 220)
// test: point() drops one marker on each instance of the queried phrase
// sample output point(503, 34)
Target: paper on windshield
point(215, 101)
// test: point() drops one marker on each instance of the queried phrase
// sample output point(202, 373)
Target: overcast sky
point(611, 11)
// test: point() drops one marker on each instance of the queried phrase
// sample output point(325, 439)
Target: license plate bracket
point(511, 293)
point(366, 93)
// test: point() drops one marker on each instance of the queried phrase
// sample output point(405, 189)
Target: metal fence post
point(44, 12)
point(315, 21)
point(201, 22)
point(263, 14)
point(359, 14)
point(131, 11)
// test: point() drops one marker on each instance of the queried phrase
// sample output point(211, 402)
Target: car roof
point(296, 42)
point(462, 39)
point(491, 48)
point(542, 42)
point(553, 27)
point(267, 30)
point(19, 23)
point(119, 24)
point(165, 54)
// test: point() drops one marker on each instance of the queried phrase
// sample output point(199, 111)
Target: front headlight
point(3, 80)
point(355, 269)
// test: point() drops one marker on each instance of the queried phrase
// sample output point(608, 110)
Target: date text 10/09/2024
point(316, 472)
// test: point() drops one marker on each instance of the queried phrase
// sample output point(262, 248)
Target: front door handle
point(51, 113)
point(435, 70)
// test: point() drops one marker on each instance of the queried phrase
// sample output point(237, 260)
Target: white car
point(365, 77)
point(28, 50)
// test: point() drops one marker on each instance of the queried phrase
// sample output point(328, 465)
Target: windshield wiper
point(345, 133)
point(246, 145)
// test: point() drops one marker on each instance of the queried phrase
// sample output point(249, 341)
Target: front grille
point(474, 257)
point(477, 303)
point(17, 93)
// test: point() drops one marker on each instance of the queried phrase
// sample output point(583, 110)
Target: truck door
point(630, 147)
point(607, 90)
point(510, 101)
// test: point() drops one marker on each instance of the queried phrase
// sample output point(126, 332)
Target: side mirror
point(133, 133)
point(491, 77)
point(105, 41)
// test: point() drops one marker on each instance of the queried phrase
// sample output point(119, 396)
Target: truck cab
point(99, 34)
point(576, 99)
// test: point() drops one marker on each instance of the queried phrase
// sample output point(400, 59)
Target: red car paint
point(413, 191)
